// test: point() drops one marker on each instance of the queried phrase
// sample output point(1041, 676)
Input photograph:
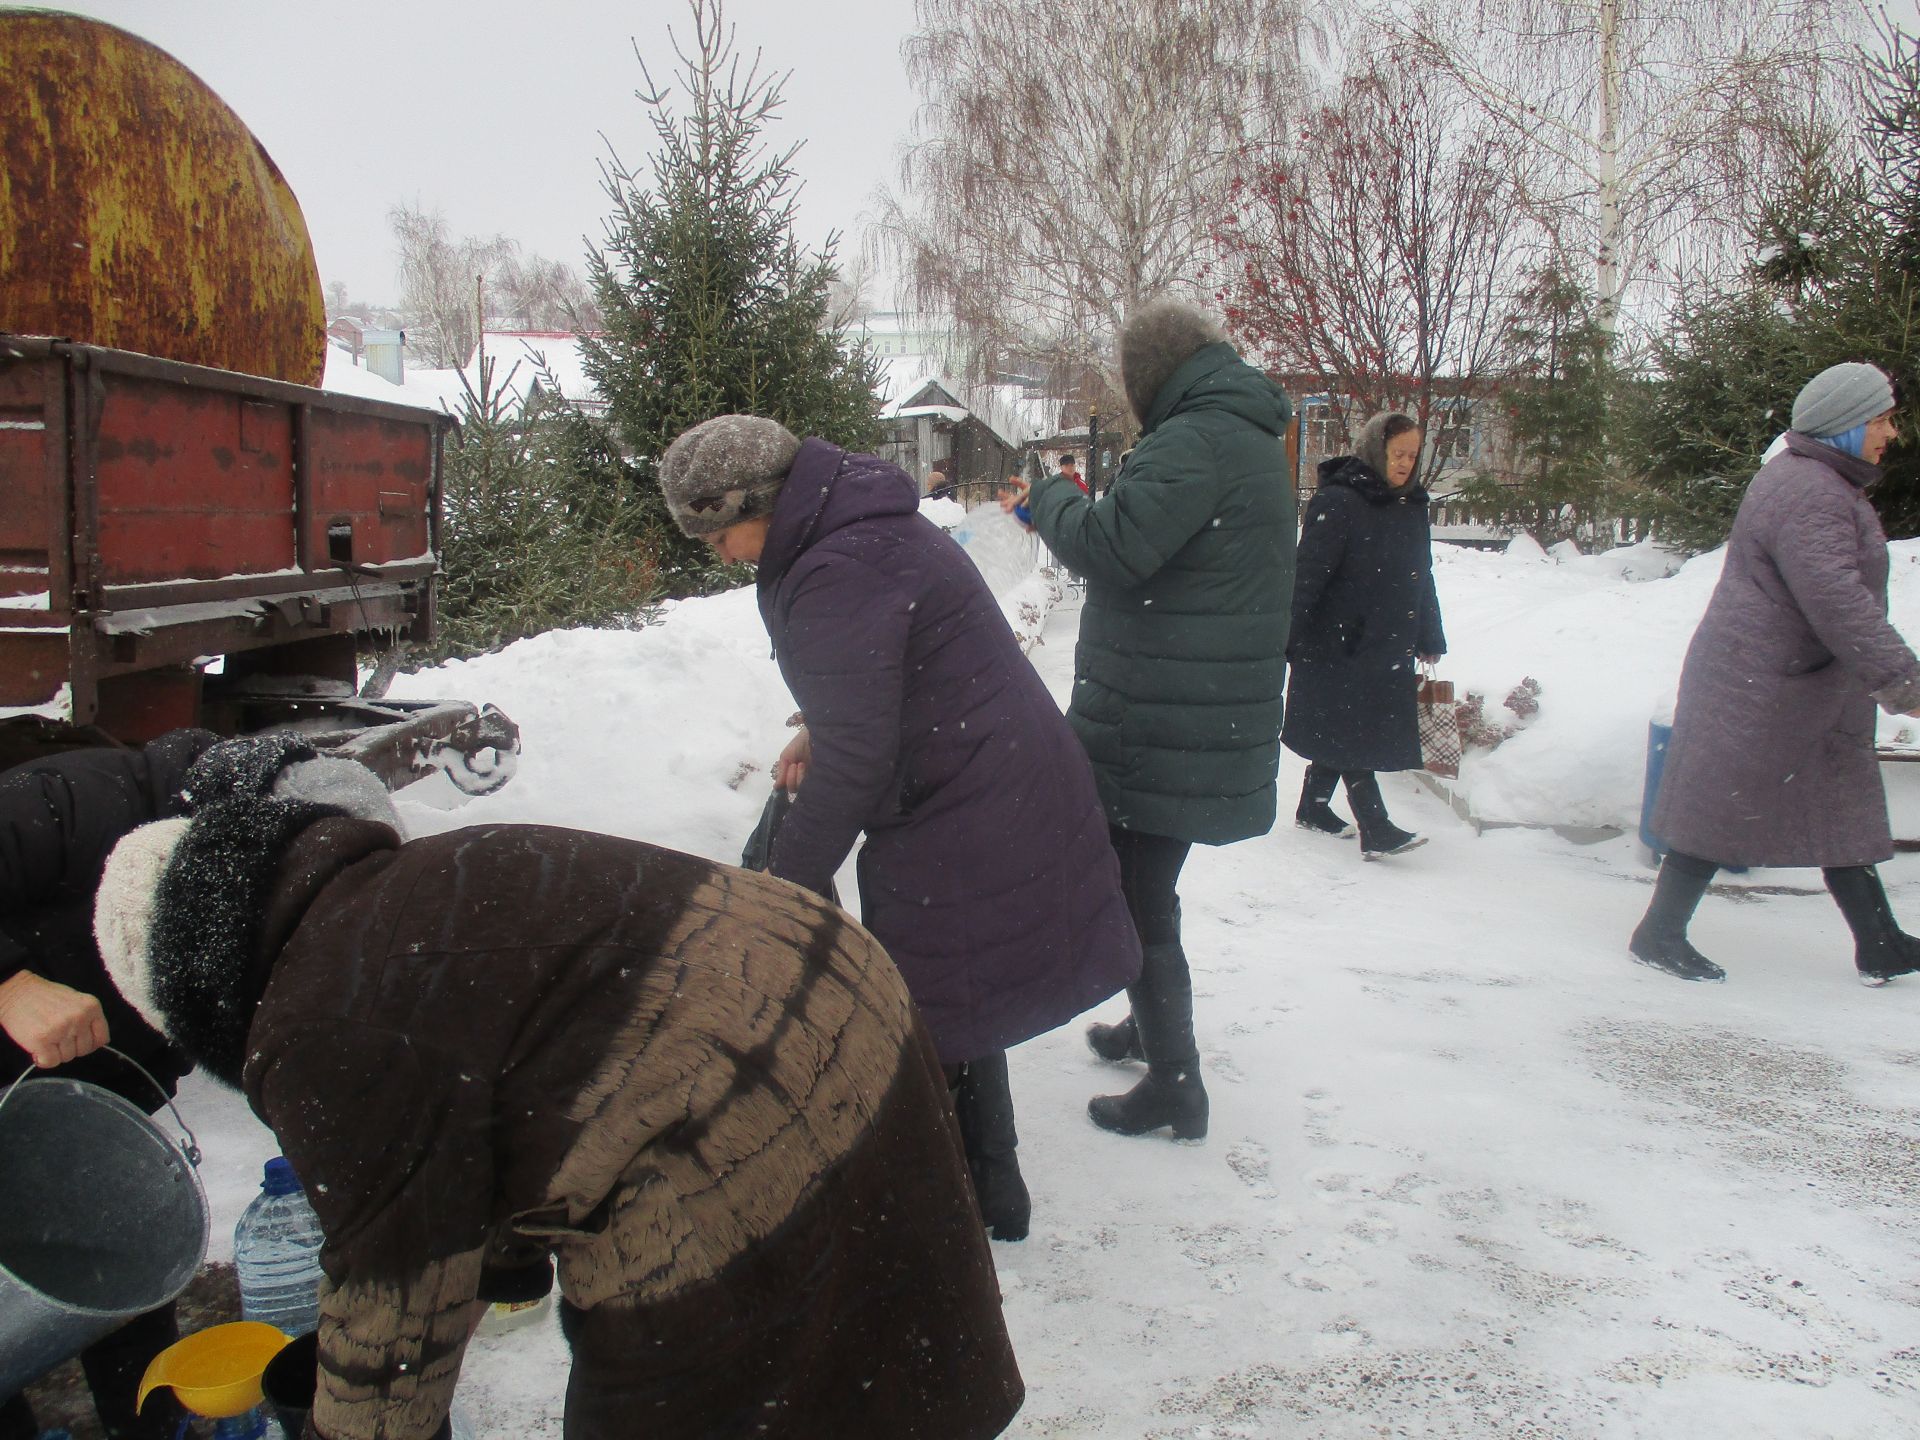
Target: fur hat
point(179, 917)
point(725, 470)
point(1160, 337)
point(1841, 397)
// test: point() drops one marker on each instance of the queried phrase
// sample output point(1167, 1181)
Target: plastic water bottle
point(276, 1250)
point(248, 1425)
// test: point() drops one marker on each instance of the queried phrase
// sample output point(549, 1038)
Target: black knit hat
point(243, 767)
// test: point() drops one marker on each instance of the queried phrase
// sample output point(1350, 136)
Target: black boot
point(983, 1104)
point(1171, 1093)
point(1314, 813)
point(1660, 939)
point(1881, 949)
point(1379, 836)
point(1116, 1044)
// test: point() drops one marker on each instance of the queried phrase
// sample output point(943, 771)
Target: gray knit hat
point(1841, 397)
point(725, 470)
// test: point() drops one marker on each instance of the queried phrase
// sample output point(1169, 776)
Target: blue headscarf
point(1850, 442)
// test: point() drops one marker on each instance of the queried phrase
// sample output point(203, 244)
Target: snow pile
point(1471, 1173)
point(944, 511)
point(688, 716)
point(1004, 549)
point(692, 710)
point(1605, 635)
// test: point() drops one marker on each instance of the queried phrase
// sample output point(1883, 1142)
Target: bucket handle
point(190, 1148)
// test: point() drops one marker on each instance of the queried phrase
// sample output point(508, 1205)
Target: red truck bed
point(154, 514)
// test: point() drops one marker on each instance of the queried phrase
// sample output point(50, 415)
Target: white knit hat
point(123, 910)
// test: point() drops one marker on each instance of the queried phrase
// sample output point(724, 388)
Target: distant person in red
point(1072, 472)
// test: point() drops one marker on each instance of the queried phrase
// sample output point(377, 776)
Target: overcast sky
point(493, 111)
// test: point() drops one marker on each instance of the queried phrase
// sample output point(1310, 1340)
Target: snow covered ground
point(1471, 1172)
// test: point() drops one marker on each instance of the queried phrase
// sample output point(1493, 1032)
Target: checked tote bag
point(1439, 726)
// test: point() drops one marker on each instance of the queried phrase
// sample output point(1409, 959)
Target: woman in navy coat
point(1364, 611)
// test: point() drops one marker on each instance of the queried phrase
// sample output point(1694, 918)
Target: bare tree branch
point(1073, 158)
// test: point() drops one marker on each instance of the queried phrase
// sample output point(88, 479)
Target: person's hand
point(791, 768)
point(1430, 659)
point(1015, 494)
point(51, 1022)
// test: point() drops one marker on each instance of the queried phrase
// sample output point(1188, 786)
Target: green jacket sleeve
point(1167, 493)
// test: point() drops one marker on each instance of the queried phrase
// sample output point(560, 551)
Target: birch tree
point(1072, 158)
point(1654, 117)
point(438, 272)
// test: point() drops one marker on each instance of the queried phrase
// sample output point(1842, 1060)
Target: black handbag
point(758, 853)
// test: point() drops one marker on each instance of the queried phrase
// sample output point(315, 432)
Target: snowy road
point(1471, 1172)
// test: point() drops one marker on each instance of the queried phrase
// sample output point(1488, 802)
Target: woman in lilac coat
point(986, 873)
point(1772, 759)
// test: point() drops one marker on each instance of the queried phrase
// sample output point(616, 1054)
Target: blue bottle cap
point(279, 1178)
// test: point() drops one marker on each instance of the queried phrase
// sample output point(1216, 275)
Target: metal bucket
point(102, 1218)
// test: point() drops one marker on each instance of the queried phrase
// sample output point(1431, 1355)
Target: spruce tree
point(711, 306)
point(541, 528)
point(1836, 277)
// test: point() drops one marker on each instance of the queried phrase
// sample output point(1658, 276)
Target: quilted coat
point(1364, 607)
point(1771, 760)
point(1189, 563)
point(60, 817)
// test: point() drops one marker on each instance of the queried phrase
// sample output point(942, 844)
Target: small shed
point(974, 433)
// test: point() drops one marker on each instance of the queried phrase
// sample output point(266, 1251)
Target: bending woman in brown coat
point(1771, 761)
point(702, 1092)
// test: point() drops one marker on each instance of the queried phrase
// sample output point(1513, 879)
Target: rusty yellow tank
point(137, 211)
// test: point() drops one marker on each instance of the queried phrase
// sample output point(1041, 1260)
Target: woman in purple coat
point(1772, 761)
point(987, 873)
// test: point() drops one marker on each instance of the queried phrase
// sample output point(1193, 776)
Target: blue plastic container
point(1657, 737)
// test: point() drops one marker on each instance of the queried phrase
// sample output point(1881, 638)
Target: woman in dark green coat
point(1181, 663)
